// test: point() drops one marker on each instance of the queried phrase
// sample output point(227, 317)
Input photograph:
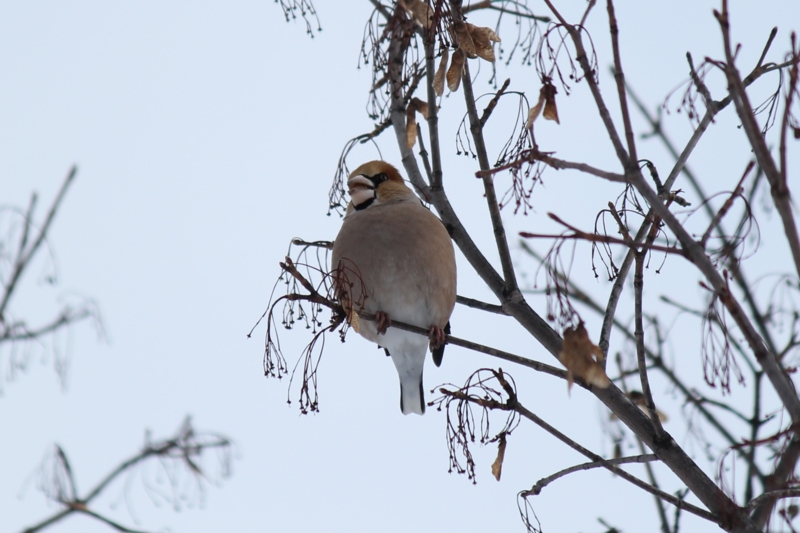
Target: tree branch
point(778, 184)
point(677, 502)
point(24, 255)
point(476, 128)
point(542, 483)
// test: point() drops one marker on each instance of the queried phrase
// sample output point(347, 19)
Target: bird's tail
point(408, 354)
point(412, 396)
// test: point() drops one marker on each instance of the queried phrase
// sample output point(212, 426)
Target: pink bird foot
point(383, 322)
point(437, 337)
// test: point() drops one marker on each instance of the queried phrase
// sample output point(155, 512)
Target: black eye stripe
point(377, 179)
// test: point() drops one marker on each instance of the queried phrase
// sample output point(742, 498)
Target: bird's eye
point(377, 179)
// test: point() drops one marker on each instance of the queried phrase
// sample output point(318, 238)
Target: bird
point(394, 259)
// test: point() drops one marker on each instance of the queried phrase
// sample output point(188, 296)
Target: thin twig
point(774, 495)
point(778, 186)
point(109, 522)
point(536, 489)
point(483, 306)
point(67, 316)
point(698, 256)
point(787, 114)
point(558, 164)
point(183, 446)
point(487, 4)
point(476, 129)
point(488, 350)
point(737, 273)
point(638, 288)
point(579, 295)
point(328, 245)
point(595, 237)
point(713, 107)
point(594, 88)
point(618, 471)
point(651, 475)
point(487, 112)
point(619, 77)
point(25, 255)
point(755, 425)
point(783, 472)
point(727, 205)
point(433, 110)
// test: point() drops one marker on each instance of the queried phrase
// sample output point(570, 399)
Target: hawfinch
point(393, 258)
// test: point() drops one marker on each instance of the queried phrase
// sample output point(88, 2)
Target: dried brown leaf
point(420, 106)
point(420, 11)
point(497, 466)
point(438, 78)
point(482, 38)
point(355, 321)
point(454, 72)
point(464, 38)
point(550, 109)
point(411, 127)
point(581, 356)
point(533, 113)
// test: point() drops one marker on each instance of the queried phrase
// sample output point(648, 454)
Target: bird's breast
point(399, 259)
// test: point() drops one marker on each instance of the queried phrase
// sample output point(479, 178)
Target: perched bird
point(393, 258)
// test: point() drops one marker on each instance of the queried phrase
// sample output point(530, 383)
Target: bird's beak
point(361, 190)
point(359, 182)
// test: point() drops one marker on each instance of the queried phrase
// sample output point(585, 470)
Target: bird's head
point(376, 181)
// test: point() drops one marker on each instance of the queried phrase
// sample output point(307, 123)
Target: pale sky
point(206, 136)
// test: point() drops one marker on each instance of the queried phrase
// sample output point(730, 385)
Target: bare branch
point(620, 79)
point(185, 447)
point(658, 362)
point(483, 306)
point(784, 471)
point(717, 219)
point(17, 332)
point(774, 495)
point(638, 287)
point(738, 275)
point(489, 4)
point(26, 254)
point(697, 255)
point(558, 164)
point(777, 180)
point(542, 483)
point(493, 102)
point(476, 129)
point(618, 471)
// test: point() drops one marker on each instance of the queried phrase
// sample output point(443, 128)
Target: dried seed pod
point(419, 11)
point(464, 38)
point(482, 39)
point(497, 466)
point(550, 109)
point(438, 78)
point(414, 106)
point(455, 70)
point(411, 127)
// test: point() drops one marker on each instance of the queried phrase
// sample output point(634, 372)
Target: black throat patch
point(364, 205)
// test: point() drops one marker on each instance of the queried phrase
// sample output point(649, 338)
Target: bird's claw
point(437, 337)
point(382, 321)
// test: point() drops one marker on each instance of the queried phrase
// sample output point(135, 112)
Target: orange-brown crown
point(373, 168)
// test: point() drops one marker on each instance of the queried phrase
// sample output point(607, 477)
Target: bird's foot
point(382, 321)
point(437, 337)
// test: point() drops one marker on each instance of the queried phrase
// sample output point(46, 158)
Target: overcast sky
point(206, 136)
